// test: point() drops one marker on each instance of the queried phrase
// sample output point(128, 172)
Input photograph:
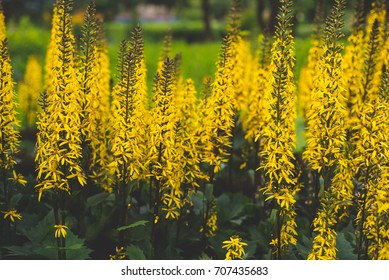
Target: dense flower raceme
point(370, 140)
point(334, 204)
point(326, 114)
point(59, 137)
point(322, 115)
point(129, 101)
point(9, 135)
point(218, 112)
point(279, 135)
point(352, 65)
point(372, 155)
point(187, 138)
point(94, 93)
point(162, 142)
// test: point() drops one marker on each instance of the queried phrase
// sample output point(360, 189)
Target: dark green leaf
point(96, 199)
point(208, 191)
point(136, 224)
point(135, 253)
point(345, 249)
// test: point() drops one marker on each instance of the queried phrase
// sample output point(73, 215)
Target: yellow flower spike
point(12, 214)
point(234, 247)
point(217, 116)
point(128, 137)
point(60, 231)
point(326, 130)
point(167, 154)
point(279, 134)
point(10, 136)
point(59, 151)
point(370, 140)
point(93, 72)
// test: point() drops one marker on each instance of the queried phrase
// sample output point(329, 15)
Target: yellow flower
point(18, 178)
point(60, 231)
point(120, 254)
point(12, 214)
point(211, 224)
point(234, 248)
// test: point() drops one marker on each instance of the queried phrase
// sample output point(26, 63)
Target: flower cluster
point(234, 248)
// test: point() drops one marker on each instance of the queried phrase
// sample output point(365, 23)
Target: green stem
point(57, 222)
point(206, 206)
point(316, 190)
point(278, 234)
point(361, 238)
point(179, 225)
point(150, 188)
point(155, 215)
point(123, 192)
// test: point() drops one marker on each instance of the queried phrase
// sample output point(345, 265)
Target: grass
point(199, 58)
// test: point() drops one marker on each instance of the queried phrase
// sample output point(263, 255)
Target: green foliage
point(135, 253)
point(40, 241)
point(25, 39)
point(136, 224)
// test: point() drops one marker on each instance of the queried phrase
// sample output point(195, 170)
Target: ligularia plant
point(125, 171)
point(279, 136)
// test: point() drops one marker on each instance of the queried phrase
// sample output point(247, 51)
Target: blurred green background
point(197, 27)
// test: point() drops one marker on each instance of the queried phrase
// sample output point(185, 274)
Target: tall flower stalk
point(166, 183)
point(58, 151)
point(128, 142)
point(87, 77)
point(353, 65)
point(9, 135)
point(325, 117)
point(217, 125)
point(279, 136)
point(102, 173)
point(370, 145)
